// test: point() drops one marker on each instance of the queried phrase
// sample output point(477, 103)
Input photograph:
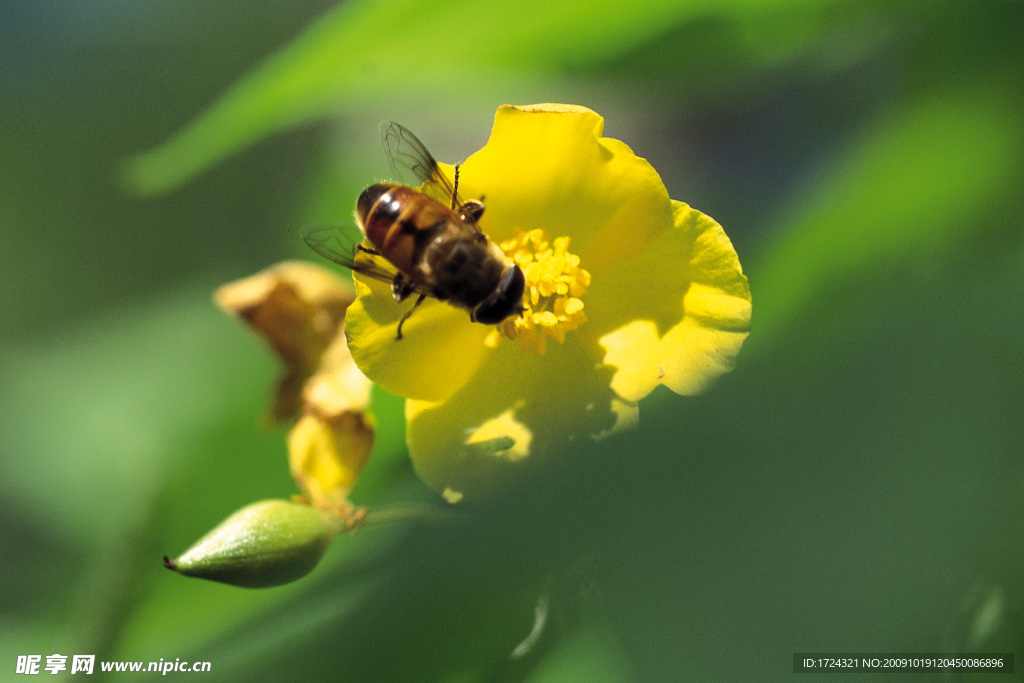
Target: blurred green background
point(854, 485)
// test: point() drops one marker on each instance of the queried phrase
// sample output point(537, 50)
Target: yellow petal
point(440, 348)
point(502, 437)
point(517, 410)
point(548, 167)
point(678, 313)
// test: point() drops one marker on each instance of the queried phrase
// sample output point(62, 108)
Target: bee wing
point(341, 243)
point(410, 161)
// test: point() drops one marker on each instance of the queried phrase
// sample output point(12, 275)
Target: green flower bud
point(265, 544)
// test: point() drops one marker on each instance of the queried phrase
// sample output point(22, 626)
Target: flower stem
point(407, 512)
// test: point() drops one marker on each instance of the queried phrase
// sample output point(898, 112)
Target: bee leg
point(405, 317)
point(367, 250)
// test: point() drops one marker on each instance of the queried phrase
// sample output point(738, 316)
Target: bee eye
point(369, 197)
point(471, 211)
point(506, 300)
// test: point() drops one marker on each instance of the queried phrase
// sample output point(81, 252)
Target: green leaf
point(920, 179)
point(452, 52)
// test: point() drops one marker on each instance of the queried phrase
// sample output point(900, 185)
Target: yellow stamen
point(554, 284)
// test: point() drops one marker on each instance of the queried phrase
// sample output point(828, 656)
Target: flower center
point(554, 284)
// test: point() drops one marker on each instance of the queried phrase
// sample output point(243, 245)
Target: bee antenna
point(455, 190)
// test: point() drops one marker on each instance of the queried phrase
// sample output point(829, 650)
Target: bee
point(424, 241)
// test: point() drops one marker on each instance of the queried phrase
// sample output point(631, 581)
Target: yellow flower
point(626, 289)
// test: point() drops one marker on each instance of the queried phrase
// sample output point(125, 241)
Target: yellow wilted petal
point(298, 308)
point(326, 455)
point(338, 385)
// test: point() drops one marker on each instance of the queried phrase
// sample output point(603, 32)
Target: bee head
point(506, 300)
